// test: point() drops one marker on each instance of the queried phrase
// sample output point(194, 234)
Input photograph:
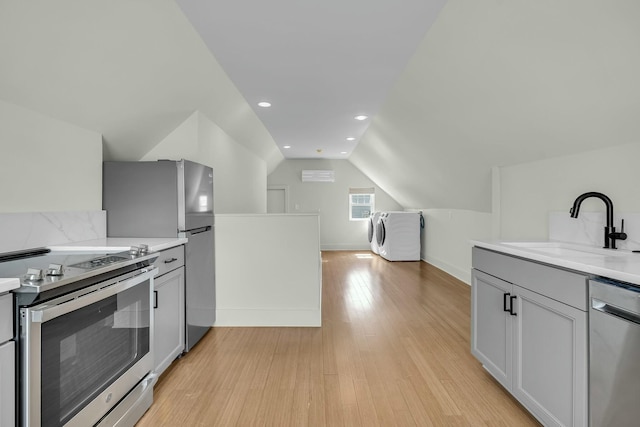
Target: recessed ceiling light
point(343, 152)
point(264, 104)
point(351, 138)
point(361, 117)
point(286, 146)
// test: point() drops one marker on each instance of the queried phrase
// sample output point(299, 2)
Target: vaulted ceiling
point(318, 63)
point(498, 83)
point(130, 70)
point(491, 83)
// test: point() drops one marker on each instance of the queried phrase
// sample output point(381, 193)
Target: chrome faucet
point(610, 235)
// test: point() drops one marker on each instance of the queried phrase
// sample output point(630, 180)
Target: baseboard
point(345, 247)
point(456, 272)
point(272, 317)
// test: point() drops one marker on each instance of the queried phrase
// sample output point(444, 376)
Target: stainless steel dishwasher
point(614, 354)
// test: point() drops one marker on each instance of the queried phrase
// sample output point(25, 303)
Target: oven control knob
point(33, 275)
point(134, 250)
point(144, 249)
point(55, 270)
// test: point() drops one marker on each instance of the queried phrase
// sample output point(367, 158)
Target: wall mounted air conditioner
point(318, 176)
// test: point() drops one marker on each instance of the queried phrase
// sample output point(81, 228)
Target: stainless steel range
point(85, 336)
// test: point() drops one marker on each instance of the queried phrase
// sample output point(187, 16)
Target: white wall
point(524, 195)
point(240, 177)
point(47, 164)
point(530, 191)
point(283, 285)
point(445, 240)
point(331, 200)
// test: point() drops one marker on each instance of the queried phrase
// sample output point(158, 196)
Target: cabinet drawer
point(561, 285)
point(170, 259)
point(6, 317)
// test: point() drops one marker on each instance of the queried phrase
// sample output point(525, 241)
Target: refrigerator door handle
point(198, 230)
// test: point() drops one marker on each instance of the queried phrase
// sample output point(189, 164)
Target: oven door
point(83, 352)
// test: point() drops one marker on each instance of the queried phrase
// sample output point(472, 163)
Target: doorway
point(277, 199)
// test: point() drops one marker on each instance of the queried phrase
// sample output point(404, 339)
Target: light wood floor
point(393, 350)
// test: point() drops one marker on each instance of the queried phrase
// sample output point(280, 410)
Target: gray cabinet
point(169, 305)
point(550, 359)
point(7, 363)
point(534, 345)
point(492, 326)
point(7, 384)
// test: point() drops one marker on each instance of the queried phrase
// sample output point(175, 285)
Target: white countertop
point(119, 244)
point(7, 285)
point(615, 264)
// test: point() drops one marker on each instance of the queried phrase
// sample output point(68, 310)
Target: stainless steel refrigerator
point(169, 198)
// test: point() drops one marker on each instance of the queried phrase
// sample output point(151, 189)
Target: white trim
point(345, 247)
point(496, 204)
point(269, 317)
point(456, 272)
point(259, 215)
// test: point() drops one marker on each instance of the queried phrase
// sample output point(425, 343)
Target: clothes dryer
point(373, 221)
point(398, 235)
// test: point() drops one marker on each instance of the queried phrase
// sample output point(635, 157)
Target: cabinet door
point(168, 334)
point(7, 385)
point(550, 359)
point(491, 326)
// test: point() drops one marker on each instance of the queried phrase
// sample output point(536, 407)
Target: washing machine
point(373, 221)
point(398, 235)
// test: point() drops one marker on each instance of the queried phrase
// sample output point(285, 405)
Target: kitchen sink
point(567, 249)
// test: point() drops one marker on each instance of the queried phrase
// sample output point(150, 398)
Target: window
point(361, 203)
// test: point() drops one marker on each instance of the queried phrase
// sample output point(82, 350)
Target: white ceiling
point(319, 63)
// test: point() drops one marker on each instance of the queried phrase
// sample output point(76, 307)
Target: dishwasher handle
point(612, 310)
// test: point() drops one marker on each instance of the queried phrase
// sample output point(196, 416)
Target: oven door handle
point(46, 312)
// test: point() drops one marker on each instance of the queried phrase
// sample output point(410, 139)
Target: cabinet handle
point(505, 297)
point(170, 260)
point(155, 299)
point(512, 298)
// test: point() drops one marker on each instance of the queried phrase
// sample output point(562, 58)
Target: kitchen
point(548, 113)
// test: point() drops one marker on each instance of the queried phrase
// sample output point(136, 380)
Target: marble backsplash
point(36, 229)
point(588, 229)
